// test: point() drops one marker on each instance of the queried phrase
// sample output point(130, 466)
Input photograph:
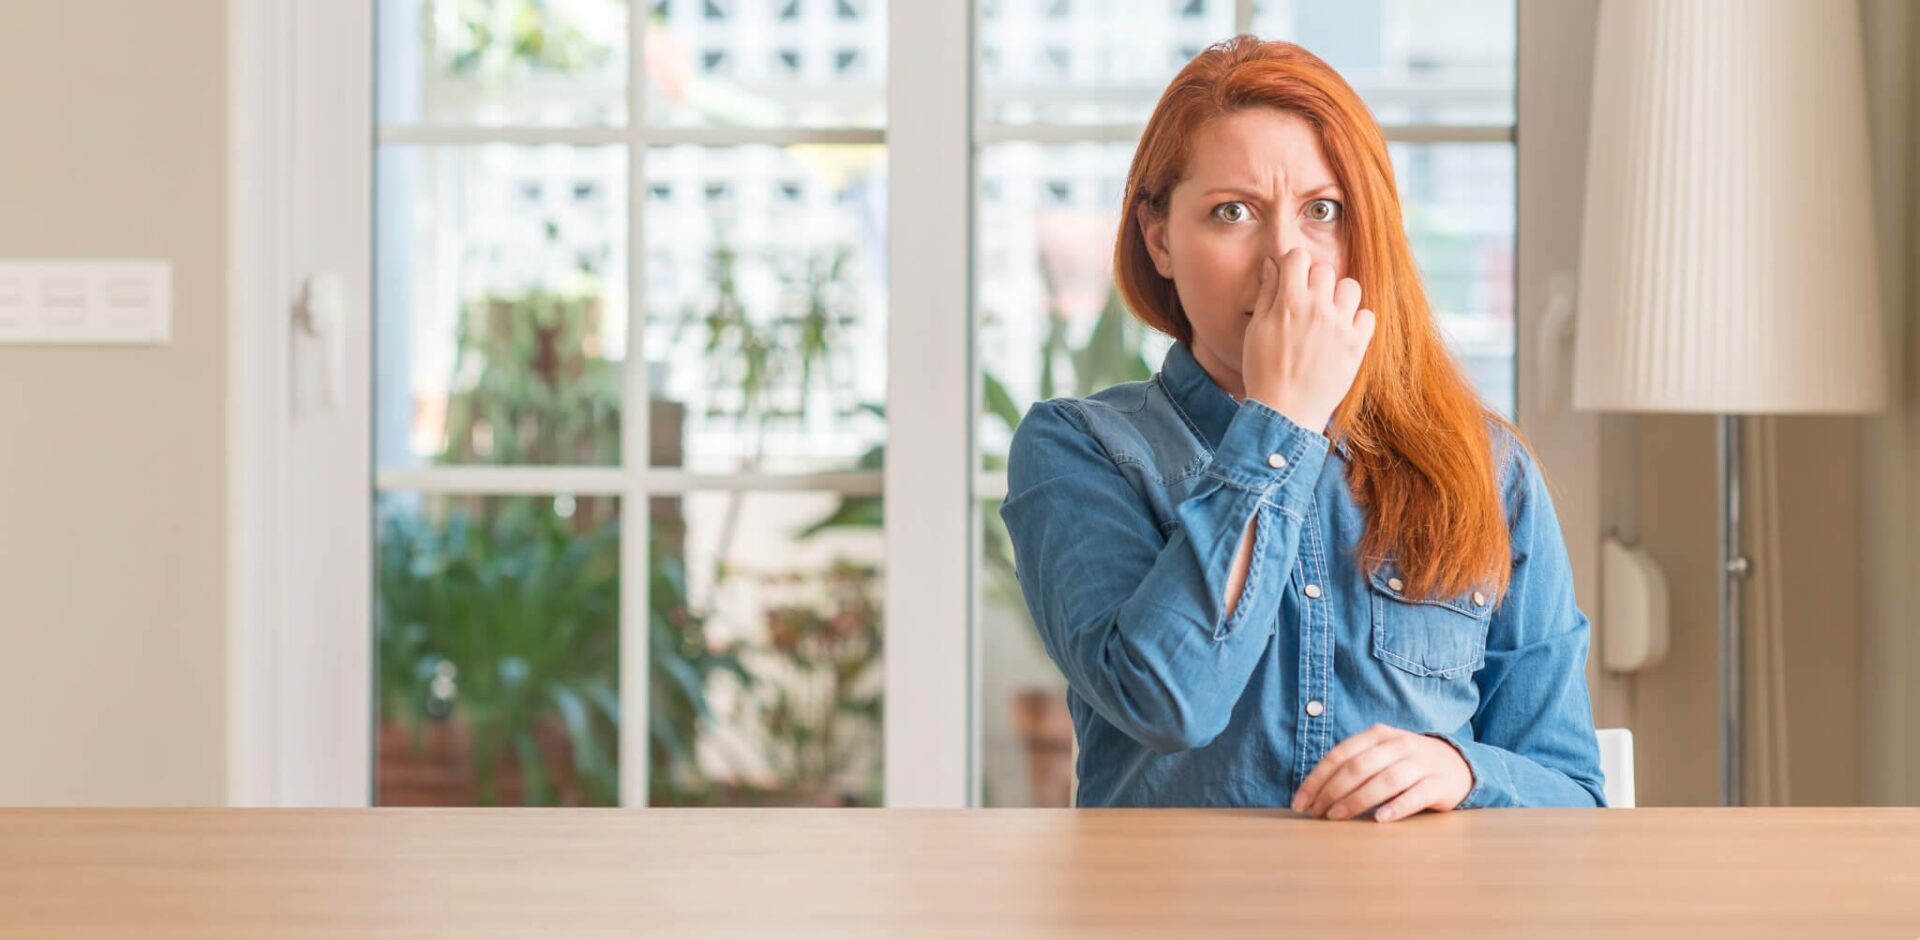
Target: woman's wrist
point(1312, 421)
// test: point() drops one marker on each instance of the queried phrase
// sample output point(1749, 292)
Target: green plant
point(682, 661)
point(815, 687)
point(757, 356)
point(492, 38)
point(537, 390)
point(825, 715)
point(503, 614)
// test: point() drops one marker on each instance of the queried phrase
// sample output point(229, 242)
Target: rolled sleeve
point(1135, 618)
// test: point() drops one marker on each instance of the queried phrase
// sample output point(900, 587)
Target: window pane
point(1051, 322)
point(1414, 61)
point(766, 307)
point(1026, 737)
point(550, 62)
point(772, 609)
point(1458, 200)
point(498, 658)
point(500, 307)
point(767, 63)
point(1088, 61)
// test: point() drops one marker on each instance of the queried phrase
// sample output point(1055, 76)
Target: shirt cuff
point(1265, 451)
point(1477, 794)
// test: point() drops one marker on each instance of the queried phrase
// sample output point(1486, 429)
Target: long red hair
point(1423, 462)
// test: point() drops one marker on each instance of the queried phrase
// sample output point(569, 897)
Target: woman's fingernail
point(1383, 815)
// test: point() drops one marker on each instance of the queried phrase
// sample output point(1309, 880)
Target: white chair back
point(1616, 761)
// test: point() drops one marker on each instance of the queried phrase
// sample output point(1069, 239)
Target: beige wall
point(1676, 704)
point(1890, 479)
point(112, 480)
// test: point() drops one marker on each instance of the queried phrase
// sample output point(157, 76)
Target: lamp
point(1727, 263)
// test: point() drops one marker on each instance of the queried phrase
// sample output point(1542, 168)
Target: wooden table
point(214, 873)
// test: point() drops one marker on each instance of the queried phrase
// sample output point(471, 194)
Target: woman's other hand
point(1400, 772)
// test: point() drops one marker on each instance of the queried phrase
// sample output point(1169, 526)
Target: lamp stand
point(1734, 569)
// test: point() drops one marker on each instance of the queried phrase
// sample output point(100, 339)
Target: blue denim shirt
point(1126, 509)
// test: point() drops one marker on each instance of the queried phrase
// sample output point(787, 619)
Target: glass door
point(629, 403)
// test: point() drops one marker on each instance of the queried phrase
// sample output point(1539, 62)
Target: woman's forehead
point(1258, 149)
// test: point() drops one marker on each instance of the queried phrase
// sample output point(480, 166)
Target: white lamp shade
point(1728, 259)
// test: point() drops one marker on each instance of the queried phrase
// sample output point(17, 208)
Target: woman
point(1303, 564)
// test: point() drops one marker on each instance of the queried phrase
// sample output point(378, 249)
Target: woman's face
point(1257, 186)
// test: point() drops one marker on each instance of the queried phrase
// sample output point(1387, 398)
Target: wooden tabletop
point(214, 873)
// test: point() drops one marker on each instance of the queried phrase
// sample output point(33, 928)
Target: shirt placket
point(1314, 699)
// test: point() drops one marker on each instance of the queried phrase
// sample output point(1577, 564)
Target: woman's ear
point(1153, 230)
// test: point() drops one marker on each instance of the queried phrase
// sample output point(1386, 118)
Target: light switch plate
point(105, 302)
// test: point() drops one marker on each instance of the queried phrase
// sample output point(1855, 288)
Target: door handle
point(319, 317)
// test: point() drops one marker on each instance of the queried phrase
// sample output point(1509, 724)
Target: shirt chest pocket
point(1442, 637)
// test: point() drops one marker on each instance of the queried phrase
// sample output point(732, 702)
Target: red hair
point(1423, 465)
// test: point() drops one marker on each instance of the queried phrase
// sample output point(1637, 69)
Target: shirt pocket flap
point(1444, 636)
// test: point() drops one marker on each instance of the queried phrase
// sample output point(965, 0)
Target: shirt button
point(1276, 461)
point(1395, 583)
point(1479, 599)
point(1314, 708)
point(1313, 590)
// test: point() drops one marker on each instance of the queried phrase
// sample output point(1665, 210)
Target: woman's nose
point(1283, 238)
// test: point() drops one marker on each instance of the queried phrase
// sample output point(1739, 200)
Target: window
point(753, 67)
point(608, 436)
point(631, 402)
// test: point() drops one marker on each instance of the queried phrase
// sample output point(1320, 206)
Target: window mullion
point(635, 454)
point(929, 463)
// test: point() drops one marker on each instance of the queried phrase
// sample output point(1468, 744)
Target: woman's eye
point(1235, 211)
point(1323, 210)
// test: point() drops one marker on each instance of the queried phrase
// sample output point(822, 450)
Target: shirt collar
point(1208, 405)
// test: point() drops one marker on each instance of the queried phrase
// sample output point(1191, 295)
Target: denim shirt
point(1126, 509)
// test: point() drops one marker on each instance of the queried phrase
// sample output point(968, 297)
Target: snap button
point(1313, 590)
point(1395, 583)
point(1314, 708)
point(1276, 461)
point(1479, 599)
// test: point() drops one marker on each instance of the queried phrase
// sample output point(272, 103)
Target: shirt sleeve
point(1532, 741)
point(1136, 619)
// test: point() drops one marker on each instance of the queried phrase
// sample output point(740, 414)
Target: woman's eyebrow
point(1243, 191)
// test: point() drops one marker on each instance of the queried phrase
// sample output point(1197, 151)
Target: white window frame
point(300, 670)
